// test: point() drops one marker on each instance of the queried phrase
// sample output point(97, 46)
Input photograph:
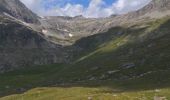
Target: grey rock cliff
point(18, 10)
point(21, 46)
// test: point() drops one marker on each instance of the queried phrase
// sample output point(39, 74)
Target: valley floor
point(35, 84)
point(84, 93)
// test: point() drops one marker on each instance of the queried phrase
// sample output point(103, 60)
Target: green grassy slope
point(128, 63)
point(142, 49)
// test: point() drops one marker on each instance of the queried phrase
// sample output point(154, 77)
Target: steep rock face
point(156, 5)
point(160, 5)
point(156, 8)
point(20, 46)
point(18, 10)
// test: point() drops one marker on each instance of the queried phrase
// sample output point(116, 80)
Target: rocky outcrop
point(18, 10)
point(20, 46)
point(159, 5)
point(156, 8)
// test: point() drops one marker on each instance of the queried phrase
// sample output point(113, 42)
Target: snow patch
point(45, 31)
point(65, 30)
point(70, 35)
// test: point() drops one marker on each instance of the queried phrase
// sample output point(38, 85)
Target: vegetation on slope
point(128, 64)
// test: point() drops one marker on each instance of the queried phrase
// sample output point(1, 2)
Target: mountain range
point(131, 50)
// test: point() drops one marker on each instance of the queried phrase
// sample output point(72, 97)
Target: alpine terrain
point(121, 57)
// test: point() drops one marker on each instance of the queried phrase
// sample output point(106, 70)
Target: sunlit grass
point(84, 93)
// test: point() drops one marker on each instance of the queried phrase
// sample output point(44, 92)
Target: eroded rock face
point(20, 46)
point(18, 10)
point(160, 4)
point(156, 5)
point(155, 9)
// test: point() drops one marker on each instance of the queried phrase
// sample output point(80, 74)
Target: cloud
point(95, 9)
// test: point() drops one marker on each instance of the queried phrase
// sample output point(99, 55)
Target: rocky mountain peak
point(155, 9)
point(17, 10)
point(159, 5)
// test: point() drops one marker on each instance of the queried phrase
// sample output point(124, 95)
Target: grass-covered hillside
point(125, 63)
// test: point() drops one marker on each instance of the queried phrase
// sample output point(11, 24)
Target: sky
point(87, 8)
